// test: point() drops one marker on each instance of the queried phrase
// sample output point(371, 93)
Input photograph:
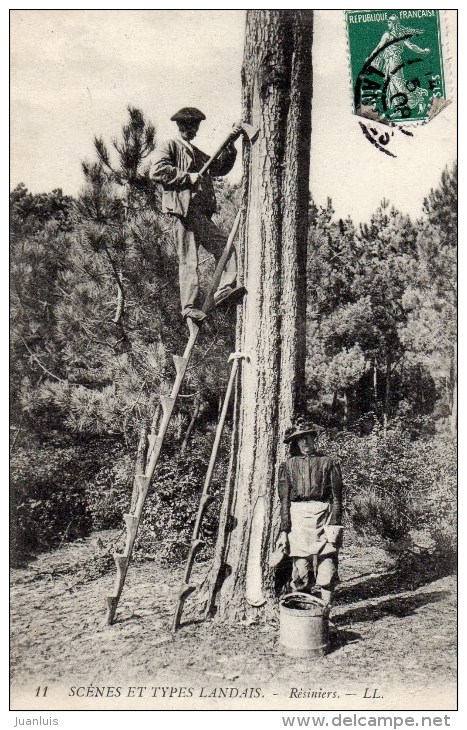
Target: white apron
point(307, 535)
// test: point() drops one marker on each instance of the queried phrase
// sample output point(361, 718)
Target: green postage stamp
point(396, 64)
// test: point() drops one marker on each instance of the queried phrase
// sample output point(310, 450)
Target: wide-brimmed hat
point(188, 113)
point(301, 427)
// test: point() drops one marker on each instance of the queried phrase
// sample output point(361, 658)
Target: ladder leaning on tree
point(167, 403)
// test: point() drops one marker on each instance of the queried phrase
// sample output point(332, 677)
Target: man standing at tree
point(310, 492)
point(190, 200)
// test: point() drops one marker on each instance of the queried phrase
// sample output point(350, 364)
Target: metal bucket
point(303, 625)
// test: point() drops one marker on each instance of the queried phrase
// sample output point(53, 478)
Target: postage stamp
point(396, 65)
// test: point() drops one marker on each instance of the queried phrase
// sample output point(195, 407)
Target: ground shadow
point(339, 637)
point(399, 606)
point(192, 622)
point(412, 571)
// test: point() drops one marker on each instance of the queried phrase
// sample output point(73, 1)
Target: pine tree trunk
point(453, 419)
point(277, 89)
point(191, 425)
point(119, 307)
point(335, 400)
point(387, 395)
point(346, 409)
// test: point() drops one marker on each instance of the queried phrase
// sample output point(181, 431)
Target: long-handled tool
point(196, 543)
point(241, 128)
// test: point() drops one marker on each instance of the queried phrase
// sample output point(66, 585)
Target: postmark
point(396, 65)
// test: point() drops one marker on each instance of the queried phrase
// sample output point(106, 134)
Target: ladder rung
point(152, 440)
point(192, 326)
point(167, 402)
point(204, 501)
point(142, 481)
point(121, 561)
point(131, 521)
point(186, 589)
point(180, 364)
point(112, 603)
point(197, 544)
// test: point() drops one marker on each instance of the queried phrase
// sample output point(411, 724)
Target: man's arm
point(336, 488)
point(224, 163)
point(166, 172)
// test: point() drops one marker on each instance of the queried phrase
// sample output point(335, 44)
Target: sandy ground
point(392, 646)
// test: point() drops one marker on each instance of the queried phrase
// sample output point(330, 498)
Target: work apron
point(307, 535)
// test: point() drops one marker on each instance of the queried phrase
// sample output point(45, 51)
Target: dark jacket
point(303, 478)
point(173, 162)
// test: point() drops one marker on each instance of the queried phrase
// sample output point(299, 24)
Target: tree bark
point(387, 395)
point(277, 91)
point(191, 425)
point(453, 419)
point(335, 401)
point(346, 409)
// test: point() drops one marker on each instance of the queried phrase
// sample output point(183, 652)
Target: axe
point(246, 129)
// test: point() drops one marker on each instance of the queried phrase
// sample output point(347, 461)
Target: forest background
point(95, 319)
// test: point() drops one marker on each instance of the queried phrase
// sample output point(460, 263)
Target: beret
point(188, 113)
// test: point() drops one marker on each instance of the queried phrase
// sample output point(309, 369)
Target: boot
point(195, 314)
point(228, 296)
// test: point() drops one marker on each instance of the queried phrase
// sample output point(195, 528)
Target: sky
point(73, 73)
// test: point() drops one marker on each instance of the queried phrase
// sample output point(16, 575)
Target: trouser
point(191, 232)
point(321, 567)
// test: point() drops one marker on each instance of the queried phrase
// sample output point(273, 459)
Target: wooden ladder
point(132, 520)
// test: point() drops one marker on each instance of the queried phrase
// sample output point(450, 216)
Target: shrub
point(377, 515)
point(62, 492)
point(108, 493)
point(436, 495)
point(49, 499)
point(396, 486)
point(173, 501)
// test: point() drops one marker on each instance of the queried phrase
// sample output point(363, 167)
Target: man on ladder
point(181, 167)
point(189, 198)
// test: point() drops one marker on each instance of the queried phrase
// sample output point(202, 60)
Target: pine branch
point(120, 293)
point(132, 406)
point(36, 359)
point(93, 339)
point(102, 152)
